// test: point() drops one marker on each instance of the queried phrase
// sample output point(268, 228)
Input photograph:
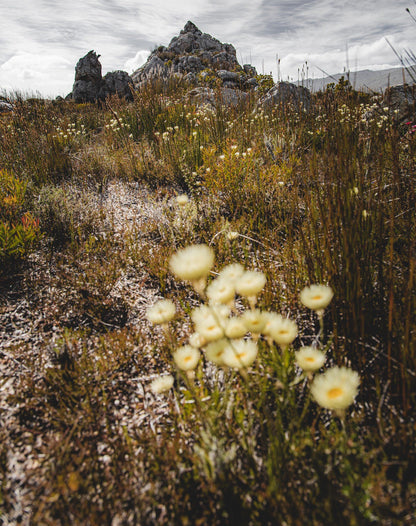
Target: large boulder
point(403, 99)
point(90, 86)
point(199, 58)
point(212, 98)
point(286, 92)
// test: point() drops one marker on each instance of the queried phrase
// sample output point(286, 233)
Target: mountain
point(366, 80)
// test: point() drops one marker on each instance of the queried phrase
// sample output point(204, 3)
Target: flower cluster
point(229, 338)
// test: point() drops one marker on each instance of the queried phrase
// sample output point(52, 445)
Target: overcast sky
point(41, 40)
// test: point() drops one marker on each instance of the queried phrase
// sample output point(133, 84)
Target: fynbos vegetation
point(208, 313)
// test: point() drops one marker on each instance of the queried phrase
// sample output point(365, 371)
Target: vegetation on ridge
point(324, 196)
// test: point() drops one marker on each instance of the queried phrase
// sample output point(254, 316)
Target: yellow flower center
point(187, 358)
point(335, 392)
point(317, 297)
point(310, 359)
point(241, 355)
point(283, 332)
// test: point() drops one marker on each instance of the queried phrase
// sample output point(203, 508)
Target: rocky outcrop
point(199, 58)
point(286, 92)
point(90, 86)
point(403, 99)
point(208, 97)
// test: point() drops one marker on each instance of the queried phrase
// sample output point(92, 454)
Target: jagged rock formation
point(403, 99)
point(90, 86)
point(209, 97)
point(200, 59)
point(284, 92)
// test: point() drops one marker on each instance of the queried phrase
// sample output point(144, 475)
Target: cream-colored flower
point(196, 340)
point(235, 328)
point(231, 272)
point(186, 357)
point(283, 331)
point(316, 297)
point(336, 389)
point(182, 200)
point(310, 359)
point(250, 283)
point(220, 290)
point(270, 319)
point(193, 262)
point(253, 320)
point(161, 384)
point(215, 350)
point(161, 312)
point(240, 353)
point(210, 329)
point(205, 312)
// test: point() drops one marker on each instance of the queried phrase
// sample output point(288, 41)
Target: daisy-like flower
point(283, 331)
point(316, 297)
point(220, 290)
point(192, 263)
point(270, 319)
point(310, 359)
point(250, 283)
point(161, 384)
point(186, 357)
point(253, 320)
point(210, 329)
point(240, 354)
point(205, 312)
point(215, 350)
point(231, 272)
point(161, 312)
point(336, 389)
point(182, 200)
point(196, 340)
point(235, 328)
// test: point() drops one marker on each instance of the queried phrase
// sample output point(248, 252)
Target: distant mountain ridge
point(365, 80)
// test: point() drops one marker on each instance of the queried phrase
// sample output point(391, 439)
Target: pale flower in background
point(240, 353)
point(186, 358)
point(250, 284)
point(316, 297)
point(196, 340)
point(336, 389)
point(231, 235)
point(232, 272)
point(253, 320)
point(161, 312)
point(161, 384)
point(235, 328)
point(182, 200)
point(310, 359)
point(193, 263)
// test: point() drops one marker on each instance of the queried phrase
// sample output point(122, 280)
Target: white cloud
point(138, 60)
point(32, 73)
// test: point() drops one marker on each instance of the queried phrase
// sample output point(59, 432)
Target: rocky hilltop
point(198, 57)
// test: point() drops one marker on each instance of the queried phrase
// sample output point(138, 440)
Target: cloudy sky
point(41, 40)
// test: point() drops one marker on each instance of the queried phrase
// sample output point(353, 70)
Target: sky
point(42, 40)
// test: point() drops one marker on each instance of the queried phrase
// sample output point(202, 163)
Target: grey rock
point(209, 97)
point(90, 86)
point(403, 99)
point(250, 70)
point(286, 92)
point(189, 54)
point(5, 106)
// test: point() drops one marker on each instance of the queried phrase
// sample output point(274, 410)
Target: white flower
point(182, 200)
point(310, 359)
point(240, 353)
point(316, 297)
point(196, 340)
point(186, 357)
point(205, 312)
point(220, 291)
point(232, 235)
point(336, 389)
point(161, 384)
point(253, 320)
point(215, 350)
point(193, 262)
point(250, 283)
point(270, 319)
point(162, 312)
point(232, 272)
point(283, 331)
point(210, 329)
point(235, 328)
